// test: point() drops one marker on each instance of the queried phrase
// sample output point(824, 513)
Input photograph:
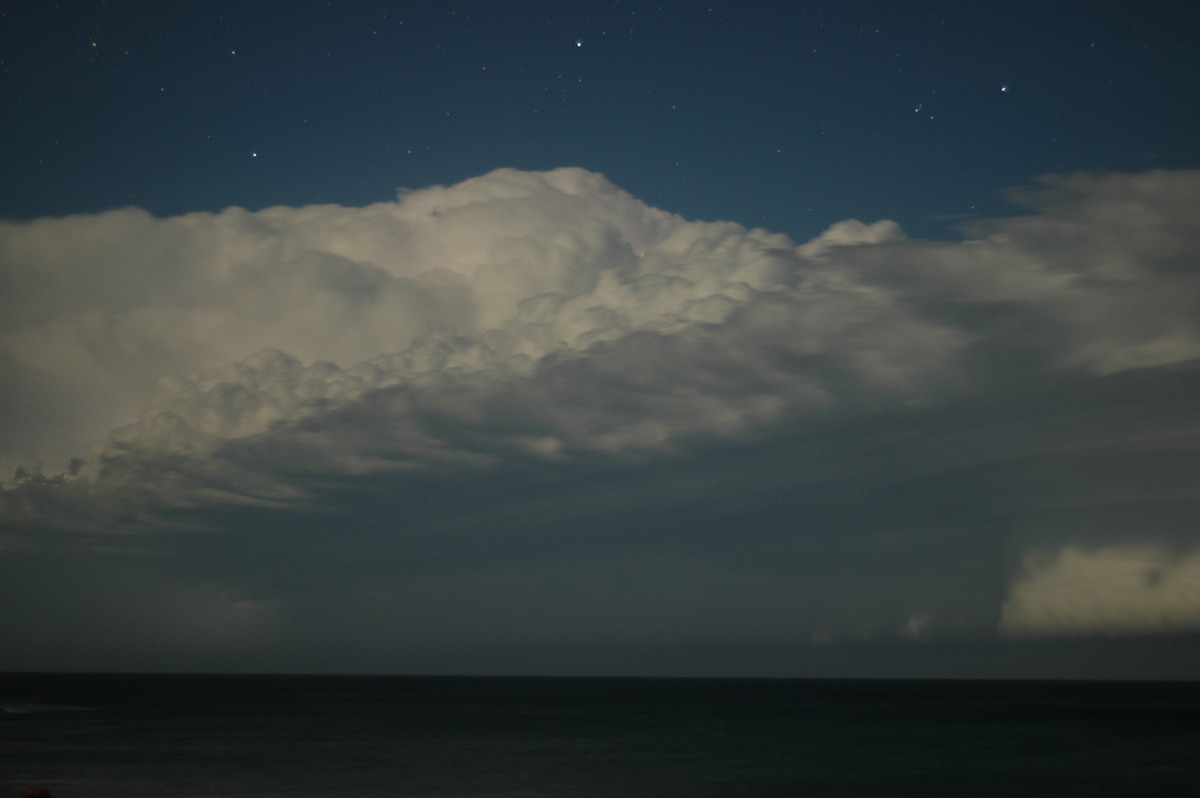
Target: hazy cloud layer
point(528, 410)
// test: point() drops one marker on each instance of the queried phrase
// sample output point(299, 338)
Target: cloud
point(529, 409)
point(1107, 591)
point(106, 305)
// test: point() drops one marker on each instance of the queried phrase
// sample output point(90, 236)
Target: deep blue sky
point(787, 115)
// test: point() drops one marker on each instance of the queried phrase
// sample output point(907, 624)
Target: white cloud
point(1106, 266)
point(100, 307)
point(1129, 589)
point(491, 276)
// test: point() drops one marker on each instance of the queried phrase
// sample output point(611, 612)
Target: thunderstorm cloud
point(530, 411)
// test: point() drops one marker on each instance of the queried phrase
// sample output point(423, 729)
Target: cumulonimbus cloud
point(872, 404)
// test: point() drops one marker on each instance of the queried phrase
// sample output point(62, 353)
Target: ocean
point(94, 736)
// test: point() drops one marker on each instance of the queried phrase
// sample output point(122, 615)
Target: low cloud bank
point(530, 409)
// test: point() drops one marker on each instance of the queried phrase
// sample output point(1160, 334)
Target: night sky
point(789, 339)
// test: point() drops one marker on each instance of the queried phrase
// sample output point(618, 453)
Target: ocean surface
point(92, 736)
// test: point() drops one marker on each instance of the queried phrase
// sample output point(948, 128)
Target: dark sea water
point(91, 736)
